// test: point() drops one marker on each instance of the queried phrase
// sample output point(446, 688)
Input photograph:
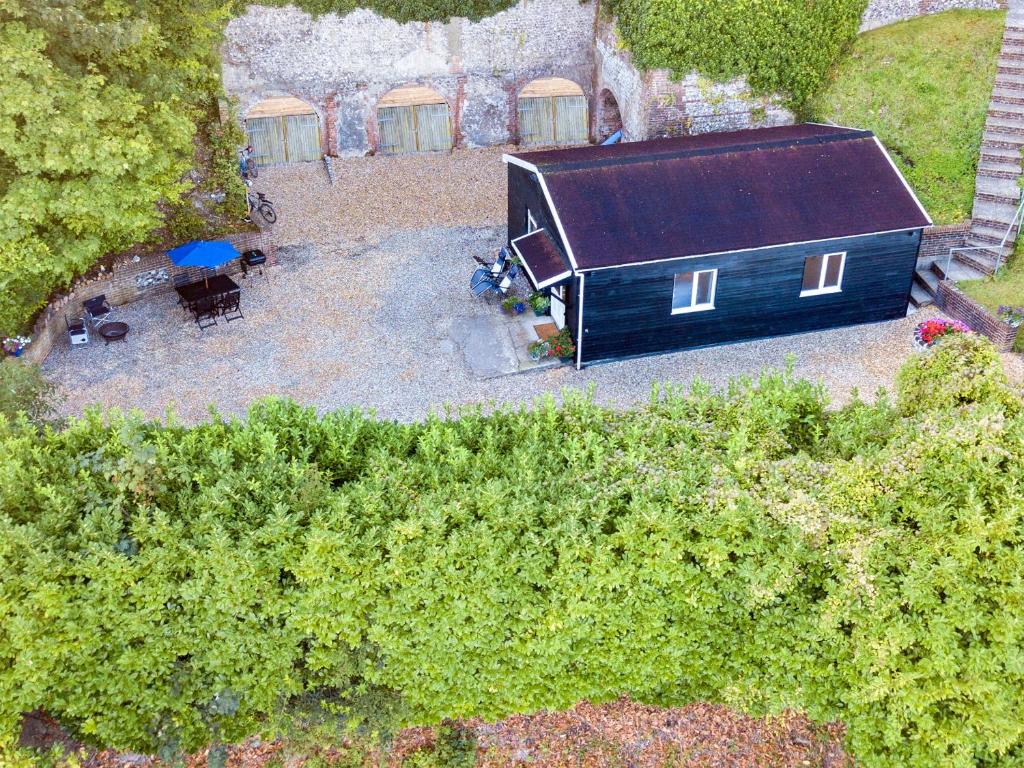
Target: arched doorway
point(283, 130)
point(609, 117)
point(552, 110)
point(413, 118)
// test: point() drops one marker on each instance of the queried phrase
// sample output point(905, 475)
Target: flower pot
point(541, 312)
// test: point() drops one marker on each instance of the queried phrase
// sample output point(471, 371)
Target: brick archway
point(609, 118)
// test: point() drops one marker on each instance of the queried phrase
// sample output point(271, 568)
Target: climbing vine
point(783, 47)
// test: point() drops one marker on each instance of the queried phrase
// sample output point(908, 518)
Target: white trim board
point(745, 250)
point(899, 175)
point(579, 326)
point(551, 204)
point(522, 259)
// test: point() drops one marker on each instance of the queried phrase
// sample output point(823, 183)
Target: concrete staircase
point(997, 194)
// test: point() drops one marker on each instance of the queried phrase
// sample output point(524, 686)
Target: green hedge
point(781, 46)
point(162, 585)
point(404, 10)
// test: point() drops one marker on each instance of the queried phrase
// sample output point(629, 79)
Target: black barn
point(664, 245)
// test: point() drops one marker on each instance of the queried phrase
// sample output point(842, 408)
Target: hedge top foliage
point(783, 47)
point(746, 547)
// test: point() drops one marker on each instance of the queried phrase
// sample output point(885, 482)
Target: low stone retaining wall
point(134, 278)
point(960, 306)
point(882, 12)
point(936, 241)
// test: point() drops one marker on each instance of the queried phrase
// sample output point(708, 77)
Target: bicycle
point(258, 203)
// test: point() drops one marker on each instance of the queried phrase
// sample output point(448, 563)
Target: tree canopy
point(99, 105)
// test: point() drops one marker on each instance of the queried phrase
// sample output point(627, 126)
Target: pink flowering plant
point(930, 331)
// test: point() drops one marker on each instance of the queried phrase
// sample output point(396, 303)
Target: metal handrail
point(1000, 247)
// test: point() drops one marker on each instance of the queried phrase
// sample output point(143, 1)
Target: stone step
point(1005, 111)
point(1009, 82)
point(975, 239)
point(1003, 155)
point(919, 297)
point(994, 211)
point(957, 270)
point(1006, 66)
point(982, 261)
point(1000, 140)
point(998, 170)
point(1011, 53)
point(987, 233)
point(1010, 125)
point(927, 280)
point(988, 185)
point(987, 197)
point(1002, 95)
point(995, 225)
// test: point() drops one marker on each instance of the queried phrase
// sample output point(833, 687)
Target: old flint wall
point(882, 12)
point(344, 65)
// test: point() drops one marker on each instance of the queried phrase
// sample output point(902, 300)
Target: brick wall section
point(960, 306)
point(936, 241)
point(127, 281)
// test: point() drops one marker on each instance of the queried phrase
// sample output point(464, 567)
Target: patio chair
point(178, 281)
point(97, 309)
point(231, 306)
point(78, 333)
point(205, 312)
point(493, 273)
point(496, 285)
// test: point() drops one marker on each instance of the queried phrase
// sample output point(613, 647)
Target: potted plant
point(514, 305)
point(540, 302)
point(15, 345)
point(561, 346)
point(929, 332)
point(538, 350)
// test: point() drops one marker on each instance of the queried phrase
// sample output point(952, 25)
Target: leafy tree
point(98, 112)
point(25, 391)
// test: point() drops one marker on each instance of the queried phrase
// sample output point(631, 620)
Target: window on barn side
point(823, 274)
point(694, 291)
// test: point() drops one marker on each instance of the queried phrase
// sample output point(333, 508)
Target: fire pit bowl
point(114, 331)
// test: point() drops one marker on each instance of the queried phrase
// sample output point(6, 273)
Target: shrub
point(25, 391)
point(784, 47)
point(965, 368)
point(161, 586)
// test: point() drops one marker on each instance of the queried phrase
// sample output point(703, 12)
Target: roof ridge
point(683, 153)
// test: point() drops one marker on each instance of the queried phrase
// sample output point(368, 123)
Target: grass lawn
point(923, 87)
point(1006, 288)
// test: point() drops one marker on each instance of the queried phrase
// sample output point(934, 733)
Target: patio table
point(218, 285)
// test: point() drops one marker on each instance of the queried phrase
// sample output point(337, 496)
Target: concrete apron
point(495, 345)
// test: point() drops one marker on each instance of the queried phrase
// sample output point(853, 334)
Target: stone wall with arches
point(344, 65)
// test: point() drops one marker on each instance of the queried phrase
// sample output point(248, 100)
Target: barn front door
point(558, 306)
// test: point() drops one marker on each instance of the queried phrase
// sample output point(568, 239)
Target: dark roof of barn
point(654, 200)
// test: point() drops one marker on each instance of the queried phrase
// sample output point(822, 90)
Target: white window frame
point(531, 223)
point(822, 289)
point(694, 306)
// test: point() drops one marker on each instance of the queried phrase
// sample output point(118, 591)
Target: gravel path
point(371, 325)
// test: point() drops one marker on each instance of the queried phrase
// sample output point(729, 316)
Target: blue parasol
point(203, 253)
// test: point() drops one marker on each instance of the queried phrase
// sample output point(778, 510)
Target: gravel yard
point(372, 196)
point(378, 324)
